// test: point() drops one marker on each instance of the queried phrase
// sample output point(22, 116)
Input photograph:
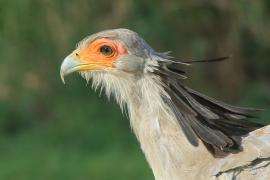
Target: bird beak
point(69, 65)
point(75, 62)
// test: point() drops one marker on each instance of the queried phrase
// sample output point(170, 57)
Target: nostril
point(77, 55)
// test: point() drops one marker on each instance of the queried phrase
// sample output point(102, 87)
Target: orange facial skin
point(91, 55)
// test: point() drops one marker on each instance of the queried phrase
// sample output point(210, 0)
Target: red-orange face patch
point(101, 52)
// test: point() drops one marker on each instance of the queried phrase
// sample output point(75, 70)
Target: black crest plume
point(220, 126)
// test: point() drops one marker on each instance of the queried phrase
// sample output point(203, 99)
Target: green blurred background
point(53, 131)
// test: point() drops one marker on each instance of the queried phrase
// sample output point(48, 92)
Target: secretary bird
point(183, 133)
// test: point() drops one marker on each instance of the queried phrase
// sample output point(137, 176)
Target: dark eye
point(106, 50)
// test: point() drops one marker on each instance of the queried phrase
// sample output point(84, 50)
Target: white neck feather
point(165, 146)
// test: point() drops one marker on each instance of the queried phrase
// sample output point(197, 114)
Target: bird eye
point(106, 50)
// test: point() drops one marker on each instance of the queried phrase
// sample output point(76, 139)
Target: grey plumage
point(181, 131)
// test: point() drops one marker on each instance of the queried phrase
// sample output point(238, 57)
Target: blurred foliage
point(52, 131)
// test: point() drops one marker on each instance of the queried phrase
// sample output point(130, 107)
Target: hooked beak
point(73, 63)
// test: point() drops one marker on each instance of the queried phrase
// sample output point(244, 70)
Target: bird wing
point(255, 155)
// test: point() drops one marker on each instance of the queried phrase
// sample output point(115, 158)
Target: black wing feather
point(220, 126)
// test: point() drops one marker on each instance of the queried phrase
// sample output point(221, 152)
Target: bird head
point(115, 52)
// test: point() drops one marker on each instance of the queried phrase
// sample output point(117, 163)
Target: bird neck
point(161, 138)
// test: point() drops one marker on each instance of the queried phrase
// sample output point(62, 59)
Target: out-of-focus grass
point(52, 131)
point(82, 137)
point(79, 143)
point(257, 93)
point(34, 156)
